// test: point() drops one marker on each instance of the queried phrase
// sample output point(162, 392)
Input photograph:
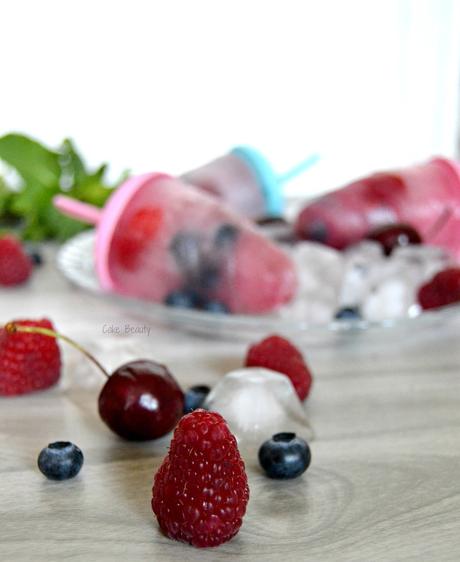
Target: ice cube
point(312, 309)
point(367, 250)
point(363, 263)
point(393, 298)
point(428, 259)
point(318, 262)
point(256, 403)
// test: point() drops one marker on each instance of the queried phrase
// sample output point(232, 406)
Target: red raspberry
point(278, 354)
point(15, 264)
point(201, 490)
point(28, 362)
point(442, 289)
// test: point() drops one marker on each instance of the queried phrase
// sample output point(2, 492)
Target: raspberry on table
point(200, 491)
point(28, 362)
point(15, 265)
point(278, 354)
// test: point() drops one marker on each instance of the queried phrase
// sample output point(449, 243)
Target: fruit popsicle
point(426, 196)
point(157, 235)
point(246, 181)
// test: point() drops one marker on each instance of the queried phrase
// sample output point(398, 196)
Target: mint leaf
point(46, 173)
point(31, 160)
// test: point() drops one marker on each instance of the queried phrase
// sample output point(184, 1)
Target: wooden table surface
point(383, 485)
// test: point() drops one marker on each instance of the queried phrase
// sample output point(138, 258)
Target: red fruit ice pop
point(419, 195)
point(157, 235)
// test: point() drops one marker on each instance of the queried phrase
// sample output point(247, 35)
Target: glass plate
point(76, 261)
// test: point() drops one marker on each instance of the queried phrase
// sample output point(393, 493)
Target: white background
point(170, 84)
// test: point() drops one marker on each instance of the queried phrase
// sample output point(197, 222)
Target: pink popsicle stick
point(77, 210)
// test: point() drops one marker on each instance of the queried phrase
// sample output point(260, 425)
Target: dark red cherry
point(392, 236)
point(441, 290)
point(141, 400)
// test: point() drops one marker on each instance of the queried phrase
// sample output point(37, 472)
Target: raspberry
point(441, 290)
point(278, 354)
point(15, 264)
point(201, 490)
point(28, 362)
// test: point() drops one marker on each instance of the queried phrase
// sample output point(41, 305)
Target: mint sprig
point(45, 173)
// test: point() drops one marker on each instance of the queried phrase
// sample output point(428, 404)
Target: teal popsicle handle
point(299, 168)
point(270, 182)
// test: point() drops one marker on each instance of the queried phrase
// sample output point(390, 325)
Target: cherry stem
point(12, 328)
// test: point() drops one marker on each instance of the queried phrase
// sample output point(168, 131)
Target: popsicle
point(246, 181)
point(426, 196)
point(157, 235)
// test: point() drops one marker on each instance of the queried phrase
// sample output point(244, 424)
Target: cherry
point(140, 400)
point(441, 290)
point(391, 236)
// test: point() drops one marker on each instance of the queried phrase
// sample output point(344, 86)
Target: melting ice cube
point(256, 403)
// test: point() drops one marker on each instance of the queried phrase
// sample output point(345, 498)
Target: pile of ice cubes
point(361, 277)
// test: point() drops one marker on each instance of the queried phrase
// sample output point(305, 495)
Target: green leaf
point(5, 198)
point(32, 161)
point(72, 163)
point(45, 173)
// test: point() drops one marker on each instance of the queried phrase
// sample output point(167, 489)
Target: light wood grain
point(383, 485)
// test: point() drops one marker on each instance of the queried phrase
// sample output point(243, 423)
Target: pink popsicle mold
point(106, 220)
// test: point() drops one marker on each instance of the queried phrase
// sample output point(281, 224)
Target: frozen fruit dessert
point(245, 180)
point(157, 237)
point(422, 196)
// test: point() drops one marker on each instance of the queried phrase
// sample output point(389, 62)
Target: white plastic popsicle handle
point(77, 210)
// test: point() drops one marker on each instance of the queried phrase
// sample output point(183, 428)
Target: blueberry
point(225, 235)
point(186, 249)
point(208, 277)
point(36, 258)
point(216, 307)
point(317, 231)
point(348, 313)
point(284, 456)
point(194, 397)
point(182, 299)
point(60, 460)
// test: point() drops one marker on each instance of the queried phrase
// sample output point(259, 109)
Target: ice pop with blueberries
point(163, 240)
point(245, 180)
point(425, 196)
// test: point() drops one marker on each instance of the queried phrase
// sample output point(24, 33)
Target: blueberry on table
point(348, 313)
point(194, 397)
point(36, 258)
point(60, 460)
point(284, 456)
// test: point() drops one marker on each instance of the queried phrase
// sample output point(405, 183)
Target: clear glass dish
point(76, 262)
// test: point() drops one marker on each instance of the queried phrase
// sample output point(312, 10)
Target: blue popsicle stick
point(270, 182)
point(299, 168)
